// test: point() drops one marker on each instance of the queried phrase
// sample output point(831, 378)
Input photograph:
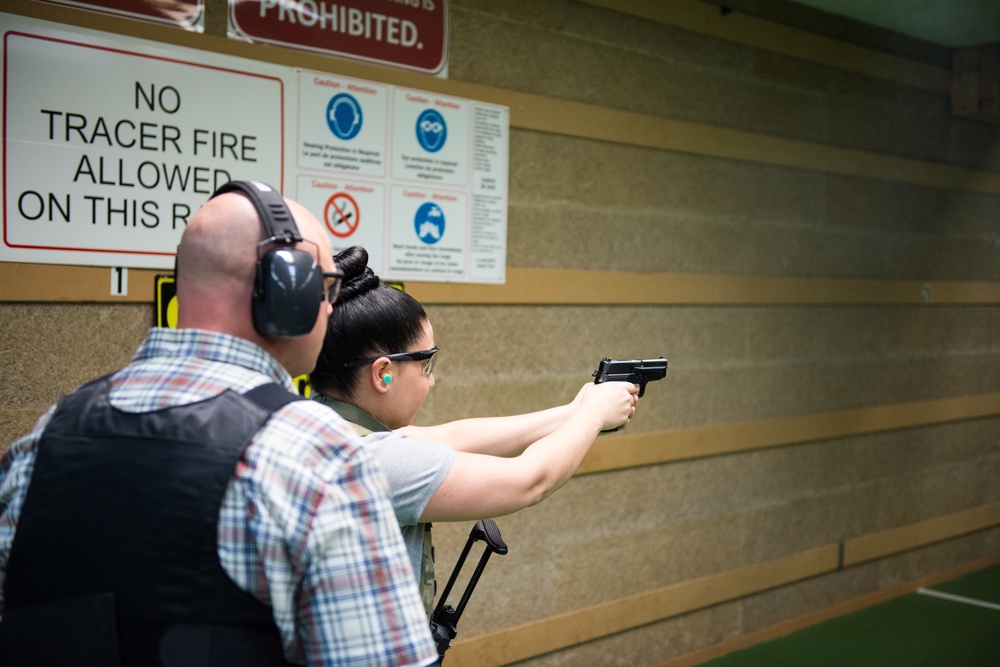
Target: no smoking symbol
point(342, 215)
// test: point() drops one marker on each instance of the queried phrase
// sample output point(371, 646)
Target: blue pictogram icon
point(429, 223)
point(432, 131)
point(343, 116)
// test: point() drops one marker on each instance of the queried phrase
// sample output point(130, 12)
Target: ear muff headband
point(288, 287)
point(278, 221)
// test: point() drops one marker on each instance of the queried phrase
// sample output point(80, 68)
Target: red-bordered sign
point(187, 14)
point(342, 215)
point(411, 34)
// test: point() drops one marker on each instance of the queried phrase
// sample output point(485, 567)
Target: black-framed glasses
point(332, 290)
point(429, 357)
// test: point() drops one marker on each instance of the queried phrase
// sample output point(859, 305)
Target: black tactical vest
point(116, 551)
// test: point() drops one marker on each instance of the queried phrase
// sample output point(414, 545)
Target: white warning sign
point(108, 151)
point(111, 144)
point(437, 164)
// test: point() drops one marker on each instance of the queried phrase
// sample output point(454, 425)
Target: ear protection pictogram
point(288, 287)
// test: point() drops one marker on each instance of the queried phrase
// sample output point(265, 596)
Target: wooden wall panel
point(615, 452)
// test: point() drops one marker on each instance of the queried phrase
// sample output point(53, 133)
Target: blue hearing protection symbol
point(429, 223)
point(432, 131)
point(343, 116)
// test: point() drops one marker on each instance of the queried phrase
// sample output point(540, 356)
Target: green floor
point(917, 629)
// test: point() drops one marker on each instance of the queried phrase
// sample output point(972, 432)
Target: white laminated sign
point(111, 143)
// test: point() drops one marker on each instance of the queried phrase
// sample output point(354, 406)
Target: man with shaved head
point(189, 510)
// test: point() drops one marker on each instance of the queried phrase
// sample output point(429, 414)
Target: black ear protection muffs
point(288, 288)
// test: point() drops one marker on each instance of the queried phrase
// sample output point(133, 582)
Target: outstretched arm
point(479, 486)
point(498, 436)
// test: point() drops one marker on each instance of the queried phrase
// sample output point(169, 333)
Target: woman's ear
point(381, 375)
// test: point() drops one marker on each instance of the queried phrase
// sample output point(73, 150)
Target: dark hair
point(369, 318)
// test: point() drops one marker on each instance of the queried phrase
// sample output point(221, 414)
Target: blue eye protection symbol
point(432, 131)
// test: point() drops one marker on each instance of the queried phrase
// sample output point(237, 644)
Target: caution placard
point(419, 179)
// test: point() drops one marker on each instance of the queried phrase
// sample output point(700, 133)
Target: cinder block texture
point(49, 349)
point(577, 203)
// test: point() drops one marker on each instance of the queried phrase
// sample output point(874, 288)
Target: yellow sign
point(166, 302)
point(166, 316)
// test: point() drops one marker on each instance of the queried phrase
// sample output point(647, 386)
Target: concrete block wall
point(593, 205)
point(587, 204)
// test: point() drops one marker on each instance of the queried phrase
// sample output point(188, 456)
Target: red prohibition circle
point(341, 215)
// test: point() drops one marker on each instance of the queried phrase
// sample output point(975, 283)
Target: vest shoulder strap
point(272, 396)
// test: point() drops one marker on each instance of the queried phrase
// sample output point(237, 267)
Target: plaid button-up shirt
point(306, 525)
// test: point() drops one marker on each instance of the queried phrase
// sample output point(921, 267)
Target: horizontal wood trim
point(614, 452)
point(79, 284)
point(905, 538)
point(44, 282)
point(567, 286)
point(573, 628)
point(587, 121)
point(707, 19)
point(565, 630)
point(848, 607)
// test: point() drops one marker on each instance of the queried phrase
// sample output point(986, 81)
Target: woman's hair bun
point(358, 277)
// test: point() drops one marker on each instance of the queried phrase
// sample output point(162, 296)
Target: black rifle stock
point(636, 371)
